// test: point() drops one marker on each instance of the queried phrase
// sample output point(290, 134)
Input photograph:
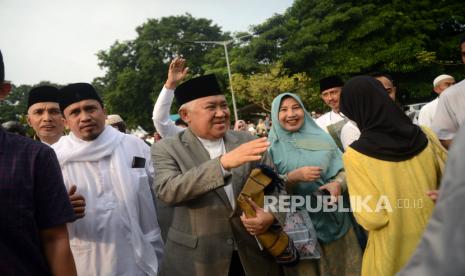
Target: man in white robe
point(427, 112)
point(161, 111)
point(119, 234)
point(450, 111)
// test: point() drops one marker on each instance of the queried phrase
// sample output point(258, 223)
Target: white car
point(413, 110)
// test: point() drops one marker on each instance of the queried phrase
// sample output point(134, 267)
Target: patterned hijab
point(308, 146)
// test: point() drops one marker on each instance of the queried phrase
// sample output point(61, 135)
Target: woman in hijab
point(261, 128)
point(310, 160)
point(240, 125)
point(390, 167)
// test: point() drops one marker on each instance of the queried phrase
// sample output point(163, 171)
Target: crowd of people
point(99, 201)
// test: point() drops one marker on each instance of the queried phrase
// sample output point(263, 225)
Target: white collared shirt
point(161, 114)
point(349, 134)
point(327, 119)
point(216, 148)
point(426, 115)
point(450, 111)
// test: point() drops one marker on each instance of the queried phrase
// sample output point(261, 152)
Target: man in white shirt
point(43, 114)
point(330, 92)
point(165, 127)
point(450, 112)
point(332, 121)
point(114, 120)
point(440, 83)
point(350, 131)
point(119, 234)
point(161, 111)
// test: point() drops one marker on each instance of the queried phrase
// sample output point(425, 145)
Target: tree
point(15, 105)
point(136, 70)
point(413, 40)
point(262, 88)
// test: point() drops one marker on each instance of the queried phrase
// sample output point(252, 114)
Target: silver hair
point(187, 106)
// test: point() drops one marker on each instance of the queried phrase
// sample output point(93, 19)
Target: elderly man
point(43, 114)
point(200, 172)
point(116, 121)
point(119, 234)
point(450, 112)
point(440, 83)
point(34, 207)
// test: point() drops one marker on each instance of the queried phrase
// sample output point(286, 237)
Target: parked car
point(413, 110)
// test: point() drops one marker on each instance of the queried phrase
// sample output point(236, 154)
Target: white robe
point(426, 115)
point(327, 119)
point(450, 112)
point(161, 114)
point(349, 134)
point(119, 234)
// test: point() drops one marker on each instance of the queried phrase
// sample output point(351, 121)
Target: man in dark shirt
point(34, 206)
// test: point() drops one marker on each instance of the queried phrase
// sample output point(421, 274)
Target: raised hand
point(176, 72)
point(78, 202)
point(247, 152)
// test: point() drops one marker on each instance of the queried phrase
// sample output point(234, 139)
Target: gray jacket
point(205, 230)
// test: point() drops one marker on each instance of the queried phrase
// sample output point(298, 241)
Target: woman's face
point(240, 126)
point(291, 115)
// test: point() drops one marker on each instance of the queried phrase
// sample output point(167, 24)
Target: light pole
point(225, 45)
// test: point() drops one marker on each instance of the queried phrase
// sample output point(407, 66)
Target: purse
point(300, 229)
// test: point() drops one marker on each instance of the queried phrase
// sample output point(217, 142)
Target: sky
point(56, 40)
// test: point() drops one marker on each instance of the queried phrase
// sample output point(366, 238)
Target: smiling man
point(200, 172)
point(43, 114)
point(119, 234)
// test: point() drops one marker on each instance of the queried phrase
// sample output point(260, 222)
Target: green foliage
point(262, 88)
point(14, 106)
point(334, 37)
point(136, 70)
point(412, 40)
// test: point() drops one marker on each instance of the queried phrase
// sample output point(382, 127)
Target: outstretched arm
point(174, 186)
point(161, 111)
